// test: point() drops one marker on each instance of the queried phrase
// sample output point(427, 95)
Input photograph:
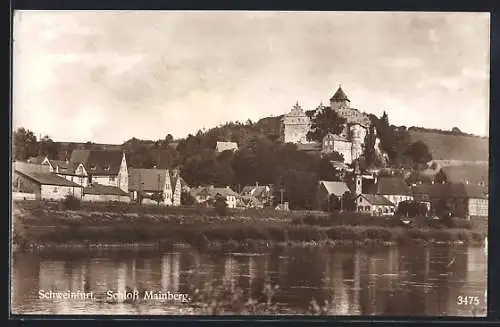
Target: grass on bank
point(39, 227)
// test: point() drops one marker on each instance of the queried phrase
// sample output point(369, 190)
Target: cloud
point(145, 74)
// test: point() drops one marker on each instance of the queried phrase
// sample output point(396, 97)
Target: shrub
point(71, 203)
point(221, 207)
point(461, 223)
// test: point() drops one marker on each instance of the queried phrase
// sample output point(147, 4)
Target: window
point(111, 178)
point(54, 190)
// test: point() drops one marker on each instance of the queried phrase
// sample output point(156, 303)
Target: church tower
point(358, 180)
point(340, 100)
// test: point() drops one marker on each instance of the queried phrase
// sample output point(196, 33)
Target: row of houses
point(103, 175)
point(95, 175)
point(383, 195)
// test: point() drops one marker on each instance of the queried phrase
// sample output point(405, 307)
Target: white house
point(209, 193)
point(38, 180)
point(103, 167)
point(374, 204)
point(224, 146)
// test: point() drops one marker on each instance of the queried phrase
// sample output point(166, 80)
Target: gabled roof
point(99, 189)
point(376, 199)
point(340, 95)
point(391, 186)
point(148, 180)
point(24, 167)
point(450, 190)
point(48, 179)
point(174, 177)
point(336, 188)
point(99, 162)
point(473, 174)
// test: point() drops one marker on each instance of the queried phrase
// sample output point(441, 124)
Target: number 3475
point(468, 300)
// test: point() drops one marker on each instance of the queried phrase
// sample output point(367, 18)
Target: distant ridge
point(445, 145)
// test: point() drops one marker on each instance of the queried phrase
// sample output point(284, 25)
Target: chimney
point(256, 184)
point(466, 182)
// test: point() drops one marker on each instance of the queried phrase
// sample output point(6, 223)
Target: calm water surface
point(417, 281)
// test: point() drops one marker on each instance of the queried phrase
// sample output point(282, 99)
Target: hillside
point(445, 146)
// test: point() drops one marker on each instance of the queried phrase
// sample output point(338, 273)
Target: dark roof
point(451, 190)
point(340, 95)
point(48, 179)
point(376, 199)
point(58, 163)
point(391, 186)
point(101, 162)
point(99, 189)
point(152, 180)
point(473, 174)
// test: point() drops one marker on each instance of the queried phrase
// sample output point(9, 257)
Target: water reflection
point(386, 281)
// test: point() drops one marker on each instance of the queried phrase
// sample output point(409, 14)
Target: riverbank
point(45, 228)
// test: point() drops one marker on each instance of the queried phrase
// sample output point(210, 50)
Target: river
point(413, 280)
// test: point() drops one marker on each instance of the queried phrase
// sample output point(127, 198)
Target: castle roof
point(340, 95)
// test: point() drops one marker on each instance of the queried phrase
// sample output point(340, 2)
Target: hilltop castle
point(296, 124)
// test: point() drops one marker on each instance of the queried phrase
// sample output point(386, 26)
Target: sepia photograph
point(215, 163)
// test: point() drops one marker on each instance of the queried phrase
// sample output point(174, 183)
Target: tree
point(220, 206)
point(24, 144)
point(157, 197)
point(440, 177)
point(418, 152)
point(369, 152)
point(326, 121)
point(187, 199)
point(411, 209)
point(333, 203)
point(49, 148)
point(349, 201)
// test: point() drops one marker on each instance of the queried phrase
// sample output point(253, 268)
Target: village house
point(56, 165)
point(393, 189)
point(151, 185)
point(207, 194)
point(262, 193)
point(103, 167)
point(32, 181)
point(328, 188)
point(374, 204)
point(226, 146)
point(463, 200)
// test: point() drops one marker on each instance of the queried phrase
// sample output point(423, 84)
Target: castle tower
point(357, 134)
point(358, 180)
point(340, 100)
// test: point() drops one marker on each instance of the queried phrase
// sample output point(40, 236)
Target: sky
point(108, 76)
